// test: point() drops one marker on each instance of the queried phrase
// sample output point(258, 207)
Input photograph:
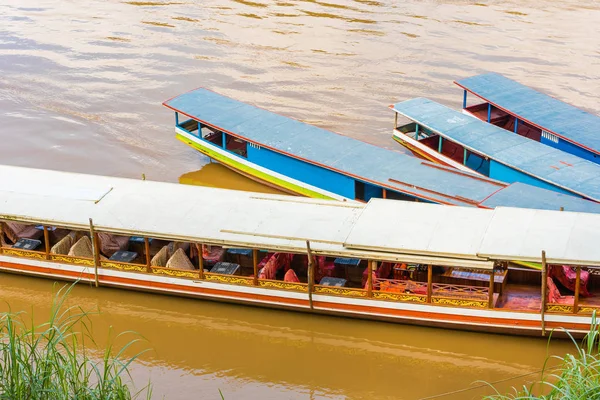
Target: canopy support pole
point(491, 289)
point(371, 264)
point(429, 282)
point(395, 120)
point(255, 265)
point(440, 143)
point(384, 193)
point(95, 251)
point(311, 274)
point(47, 242)
point(176, 118)
point(516, 124)
point(544, 284)
point(465, 156)
point(200, 247)
point(489, 118)
point(464, 99)
point(576, 297)
point(417, 132)
point(147, 250)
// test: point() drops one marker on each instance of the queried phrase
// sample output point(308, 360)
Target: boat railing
point(275, 284)
point(229, 279)
point(340, 291)
point(395, 290)
point(441, 293)
point(174, 272)
point(400, 286)
point(461, 291)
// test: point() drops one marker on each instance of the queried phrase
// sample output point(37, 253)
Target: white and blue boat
point(306, 160)
point(532, 114)
point(450, 136)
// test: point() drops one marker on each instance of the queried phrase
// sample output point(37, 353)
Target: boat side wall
point(572, 148)
point(296, 169)
point(521, 323)
point(506, 174)
point(248, 168)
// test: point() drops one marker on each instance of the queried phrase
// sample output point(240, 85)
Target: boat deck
point(520, 297)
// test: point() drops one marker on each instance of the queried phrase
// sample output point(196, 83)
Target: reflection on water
point(81, 90)
point(218, 176)
point(200, 346)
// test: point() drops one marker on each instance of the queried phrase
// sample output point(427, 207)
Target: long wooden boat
point(385, 260)
point(314, 162)
point(493, 151)
point(520, 109)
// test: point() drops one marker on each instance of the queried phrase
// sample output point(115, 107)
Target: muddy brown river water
point(81, 86)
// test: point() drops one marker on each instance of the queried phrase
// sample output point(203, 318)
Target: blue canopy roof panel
point(539, 109)
point(353, 157)
point(558, 168)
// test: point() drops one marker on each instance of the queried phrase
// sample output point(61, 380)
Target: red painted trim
point(463, 173)
point(526, 120)
point(304, 159)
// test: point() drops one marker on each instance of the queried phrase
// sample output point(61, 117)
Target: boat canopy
point(551, 165)
point(523, 233)
point(538, 109)
point(379, 230)
point(385, 168)
point(332, 151)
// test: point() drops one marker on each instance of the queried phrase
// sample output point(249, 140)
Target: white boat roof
point(382, 229)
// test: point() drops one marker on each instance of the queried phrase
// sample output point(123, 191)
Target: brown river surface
point(81, 86)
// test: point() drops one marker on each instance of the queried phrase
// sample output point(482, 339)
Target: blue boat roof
point(556, 167)
point(539, 109)
point(388, 168)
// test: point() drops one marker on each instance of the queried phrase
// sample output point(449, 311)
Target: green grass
point(577, 377)
point(52, 360)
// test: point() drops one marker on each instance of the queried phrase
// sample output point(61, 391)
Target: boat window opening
point(236, 145)
point(523, 129)
point(431, 141)
point(190, 126)
point(403, 124)
point(477, 163)
point(359, 190)
point(415, 131)
point(497, 116)
point(212, 135)
point(453, 151)
point(393, 195)
point(504, 120)
point(365, 191)
point(292, 268)
point(22, 236)
point(75, 243)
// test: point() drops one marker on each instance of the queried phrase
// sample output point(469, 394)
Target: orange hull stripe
point(466, 321)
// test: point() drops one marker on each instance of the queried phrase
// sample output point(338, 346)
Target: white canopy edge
point(380, 230)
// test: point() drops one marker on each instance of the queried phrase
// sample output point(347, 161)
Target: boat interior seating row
point(518, 290)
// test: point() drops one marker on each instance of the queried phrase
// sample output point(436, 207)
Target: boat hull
point(443, 316)
point(254, 171)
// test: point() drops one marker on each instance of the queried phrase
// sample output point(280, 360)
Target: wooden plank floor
point(520, 297)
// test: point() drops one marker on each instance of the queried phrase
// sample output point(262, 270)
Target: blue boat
point(495, 152)
point(314, 162)
point(532, 114)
